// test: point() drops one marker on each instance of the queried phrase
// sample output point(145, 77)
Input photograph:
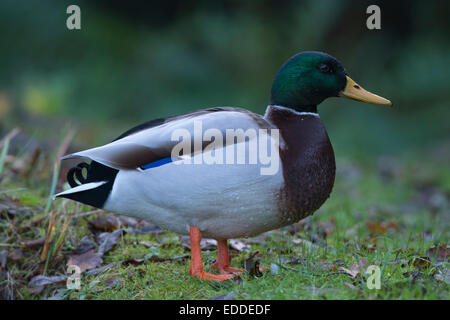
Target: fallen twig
point(88, 213)
point(11, 245)
point(34, 243)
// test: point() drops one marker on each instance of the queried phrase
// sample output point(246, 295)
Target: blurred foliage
point(134, 61)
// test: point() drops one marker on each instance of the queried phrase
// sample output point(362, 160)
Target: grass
point(386, 212)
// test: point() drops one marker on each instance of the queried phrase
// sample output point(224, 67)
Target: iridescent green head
point(308, 78)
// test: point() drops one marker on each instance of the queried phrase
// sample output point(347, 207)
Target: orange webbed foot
point(196, 268)
point(234, 270)
point(223, 262)
point(211, 276)
point(226, 269)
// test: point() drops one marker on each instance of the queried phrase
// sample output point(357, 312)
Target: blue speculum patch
point(156, 163)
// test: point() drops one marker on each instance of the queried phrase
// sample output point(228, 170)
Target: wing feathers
point(154, 142)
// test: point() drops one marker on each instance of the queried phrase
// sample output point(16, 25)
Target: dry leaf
point(441, 252)
point(381, 227)
point(128, 221)
point(239, 245)
point(108, 223)
point(354, 271)
point(85, 245)
point(86, 261)
point(363, 263)
point(108, 240)
point(41, 280)
point(421, 262)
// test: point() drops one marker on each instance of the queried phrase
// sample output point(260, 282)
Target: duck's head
point(308, 78)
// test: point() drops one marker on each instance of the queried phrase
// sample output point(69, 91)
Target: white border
point(292, 110)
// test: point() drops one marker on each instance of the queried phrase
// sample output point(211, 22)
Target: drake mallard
point(138, 174)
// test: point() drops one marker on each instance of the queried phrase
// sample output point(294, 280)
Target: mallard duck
point(139, 175)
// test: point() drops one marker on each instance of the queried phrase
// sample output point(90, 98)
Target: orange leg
point(223, 262)
point(196, 268)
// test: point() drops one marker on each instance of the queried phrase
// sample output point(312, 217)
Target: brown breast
point(308, 163)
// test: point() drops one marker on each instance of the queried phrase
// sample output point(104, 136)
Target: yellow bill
point(356, 92)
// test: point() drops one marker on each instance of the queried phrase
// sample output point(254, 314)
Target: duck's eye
point(324, 68)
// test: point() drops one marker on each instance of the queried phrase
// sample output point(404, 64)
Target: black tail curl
point(77, 172)
point(94, 172)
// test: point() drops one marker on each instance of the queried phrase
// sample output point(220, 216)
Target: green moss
point(363, 195)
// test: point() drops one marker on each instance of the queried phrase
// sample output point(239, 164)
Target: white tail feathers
point(83, 187)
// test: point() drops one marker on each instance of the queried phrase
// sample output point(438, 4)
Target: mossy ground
point(388, 212)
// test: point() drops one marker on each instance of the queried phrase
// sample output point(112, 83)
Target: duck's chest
point(308, 164)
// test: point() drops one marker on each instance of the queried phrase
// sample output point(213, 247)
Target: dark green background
point(134, 61)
